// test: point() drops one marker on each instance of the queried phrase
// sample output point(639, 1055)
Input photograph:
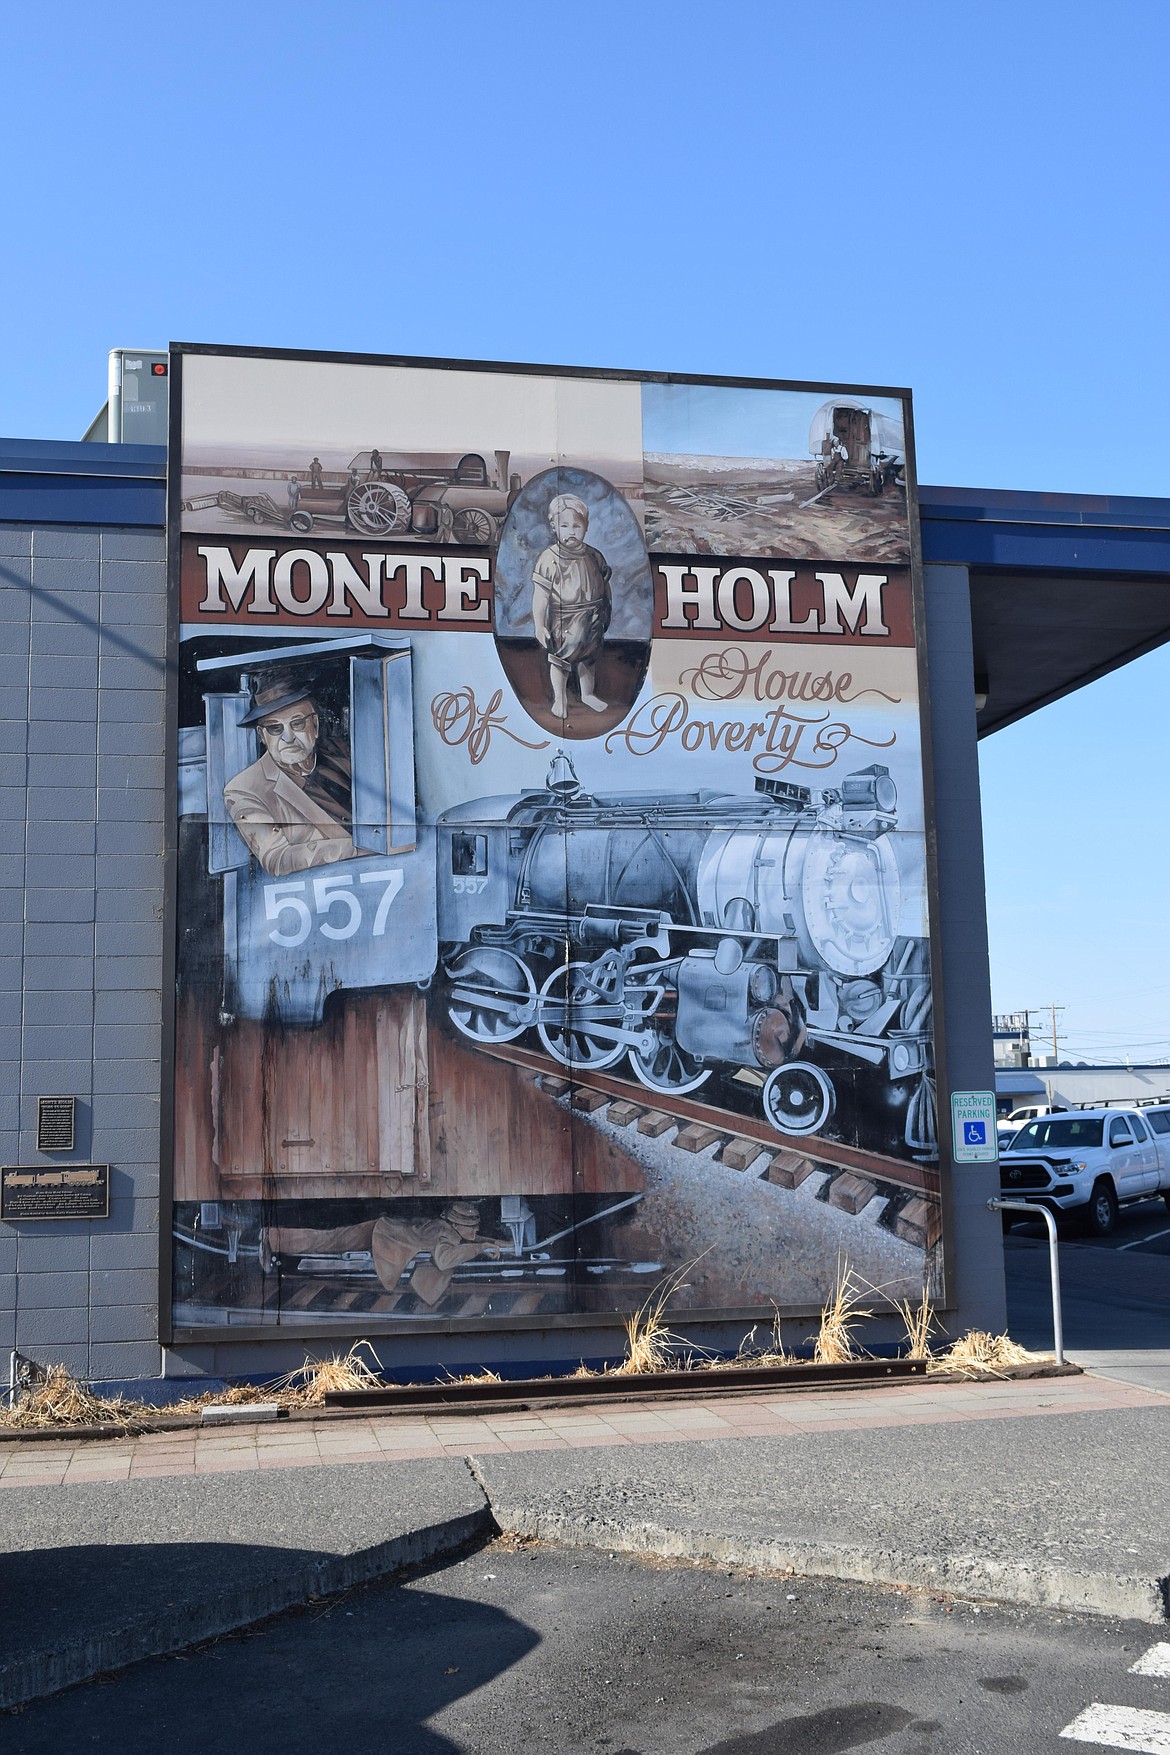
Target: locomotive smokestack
point(503, 458)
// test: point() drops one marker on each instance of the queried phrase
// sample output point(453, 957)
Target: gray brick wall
point(82, 710)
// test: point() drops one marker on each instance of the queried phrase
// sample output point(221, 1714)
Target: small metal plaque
point(39, 1191)
point(56, 1124)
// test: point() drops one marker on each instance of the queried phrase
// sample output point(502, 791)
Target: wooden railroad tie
point(695, 1137)
point(654, 1123)
point(737, 1154)
point(301, 1295)
point(850, 1193)
point(919, 1223)
point(789, 1169)
point(622, 1112)
point(553, 1084)
point(589, 1102)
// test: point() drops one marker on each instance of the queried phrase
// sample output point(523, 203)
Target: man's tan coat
point(283, 827)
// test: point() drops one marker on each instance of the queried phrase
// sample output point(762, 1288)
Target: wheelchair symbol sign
point(973, 1127)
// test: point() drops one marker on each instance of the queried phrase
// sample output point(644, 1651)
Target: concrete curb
point(964, 1575)
point(39, 1673)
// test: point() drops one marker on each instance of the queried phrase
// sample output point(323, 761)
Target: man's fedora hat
point(463, 1215)
point(272, 693)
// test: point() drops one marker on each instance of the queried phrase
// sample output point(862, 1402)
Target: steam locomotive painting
point(693, 936)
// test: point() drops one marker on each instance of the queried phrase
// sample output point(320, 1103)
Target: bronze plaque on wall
point(38, 1191)
point(56, 1124)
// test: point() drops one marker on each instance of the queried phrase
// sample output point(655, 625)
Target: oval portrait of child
point(574, 602)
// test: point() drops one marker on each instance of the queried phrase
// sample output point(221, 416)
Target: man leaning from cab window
point(293, 807)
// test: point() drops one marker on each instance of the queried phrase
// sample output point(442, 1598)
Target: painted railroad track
point(855, 1179)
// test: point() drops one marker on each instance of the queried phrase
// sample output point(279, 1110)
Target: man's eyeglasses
point(277, 728)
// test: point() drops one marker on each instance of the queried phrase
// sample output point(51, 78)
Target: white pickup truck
point(1091, 1161)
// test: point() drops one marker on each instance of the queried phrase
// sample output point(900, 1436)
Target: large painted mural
point(551, 901)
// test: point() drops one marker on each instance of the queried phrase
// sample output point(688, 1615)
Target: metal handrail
point(1033, 1208)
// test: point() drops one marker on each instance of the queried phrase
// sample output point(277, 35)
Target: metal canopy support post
point(1032, 1208)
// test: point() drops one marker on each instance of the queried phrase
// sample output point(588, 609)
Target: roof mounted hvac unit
point(137, 409)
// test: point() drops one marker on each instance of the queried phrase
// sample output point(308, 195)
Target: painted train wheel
point(492, 994)
point(798, 1098)
point(668, 1067)
point(575, 996)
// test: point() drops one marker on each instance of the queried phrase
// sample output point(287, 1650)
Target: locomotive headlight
point(869, 801)
point(871, 789)
point(900, 1057)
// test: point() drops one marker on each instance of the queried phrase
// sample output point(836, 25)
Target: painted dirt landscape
point(755, 506)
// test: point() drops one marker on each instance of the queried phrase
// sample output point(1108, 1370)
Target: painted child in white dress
point(571, 604)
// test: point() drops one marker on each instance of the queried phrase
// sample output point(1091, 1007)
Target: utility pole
point(1052, 1011)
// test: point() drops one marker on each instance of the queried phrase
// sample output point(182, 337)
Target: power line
point(1052, 1010)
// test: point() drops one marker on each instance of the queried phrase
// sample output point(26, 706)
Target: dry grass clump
point(57, 1399)
point(921, 1324)
point(650, 1344)
point(978, 1351)
point(751, 1356)
point(834, 1342)
point(310, 1383)
point(484, 1376)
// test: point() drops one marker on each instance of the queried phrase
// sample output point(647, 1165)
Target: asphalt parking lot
point(525, 1648)
point(1115, 1293)
point(1143, 1227)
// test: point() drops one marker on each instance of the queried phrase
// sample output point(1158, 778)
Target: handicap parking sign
point(973, 1127)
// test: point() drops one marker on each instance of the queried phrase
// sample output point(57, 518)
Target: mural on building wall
point(551, 901)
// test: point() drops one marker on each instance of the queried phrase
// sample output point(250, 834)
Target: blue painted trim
point(47, 481)
point(1049, 549)
point(1052, 533)
point(1007, 506)
point(78, 499)
point(56, 457)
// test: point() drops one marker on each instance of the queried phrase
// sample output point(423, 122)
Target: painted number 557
point(335, 892)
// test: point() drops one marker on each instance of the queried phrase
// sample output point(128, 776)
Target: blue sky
point(970, 200)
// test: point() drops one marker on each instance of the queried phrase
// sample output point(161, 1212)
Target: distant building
point(1069, 1086)
point(1010, 1038)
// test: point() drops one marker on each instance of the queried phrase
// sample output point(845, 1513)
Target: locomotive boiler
point(695, 934)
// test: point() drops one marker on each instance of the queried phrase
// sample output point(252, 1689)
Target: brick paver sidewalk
point(298, 1443)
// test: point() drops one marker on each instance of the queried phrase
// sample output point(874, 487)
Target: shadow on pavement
point(360, 1672)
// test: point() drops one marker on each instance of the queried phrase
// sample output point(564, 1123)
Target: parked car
point(1158, 1116)
point(1030, 1111)
point(1088, 1161)
point(1009, 1126)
